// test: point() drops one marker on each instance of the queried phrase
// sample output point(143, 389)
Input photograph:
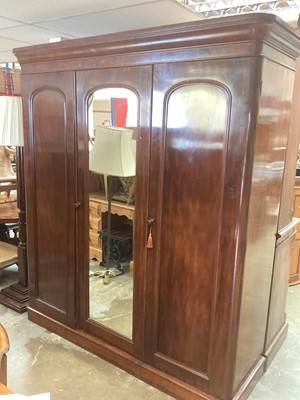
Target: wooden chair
point(4, 347)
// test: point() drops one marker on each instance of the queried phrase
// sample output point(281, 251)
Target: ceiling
point(30, 22)
point(288, 10)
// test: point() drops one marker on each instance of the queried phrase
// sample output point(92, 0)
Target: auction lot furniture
point(215, 160)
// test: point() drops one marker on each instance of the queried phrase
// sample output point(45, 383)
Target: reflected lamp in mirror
point(113, 152)
point(11, 121)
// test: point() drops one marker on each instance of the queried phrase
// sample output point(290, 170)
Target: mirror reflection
point(112, 116)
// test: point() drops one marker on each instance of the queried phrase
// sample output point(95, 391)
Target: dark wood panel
point(194, 160)
point(51, 199)
point(49, 151)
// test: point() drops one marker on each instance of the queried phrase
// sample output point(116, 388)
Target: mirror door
point(113, 143)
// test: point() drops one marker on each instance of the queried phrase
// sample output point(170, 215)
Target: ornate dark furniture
point(121, 247)
point(216, 157)
point(13, 231)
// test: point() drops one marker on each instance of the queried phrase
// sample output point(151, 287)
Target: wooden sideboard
point(295, 261)
point(98, 206)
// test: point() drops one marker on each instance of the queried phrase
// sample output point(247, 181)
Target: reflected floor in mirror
point(111, 305)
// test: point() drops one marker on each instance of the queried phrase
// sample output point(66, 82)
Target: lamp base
point(107, 273)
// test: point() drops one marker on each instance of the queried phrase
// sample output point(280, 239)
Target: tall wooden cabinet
point(214, 155)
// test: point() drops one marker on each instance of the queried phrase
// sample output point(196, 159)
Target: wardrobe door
point(113, 100)
point(49, 176)
point(200, 125)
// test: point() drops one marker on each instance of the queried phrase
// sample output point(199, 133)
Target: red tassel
point(150, 241)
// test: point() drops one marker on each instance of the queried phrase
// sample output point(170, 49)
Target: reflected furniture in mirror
point(8, 197)
point(98, 206)
point(213, 106)
point(111, 218)
point(8, 210)
point(113, 155)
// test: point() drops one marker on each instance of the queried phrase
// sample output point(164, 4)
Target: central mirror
point(112, 131)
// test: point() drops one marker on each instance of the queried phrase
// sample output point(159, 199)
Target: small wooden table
point(9, 212)
point(8, 254)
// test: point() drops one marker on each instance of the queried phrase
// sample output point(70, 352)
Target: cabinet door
point(114, 312)
point(200, 123)
point(49, 167)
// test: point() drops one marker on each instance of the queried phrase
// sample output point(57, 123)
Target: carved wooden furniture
point(295, 261)
point(121, 247)
point(214, 164)
point(15, 296)
point(8, 195)
point(98, 206)
point(8, 242)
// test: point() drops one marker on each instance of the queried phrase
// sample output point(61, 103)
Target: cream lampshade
point(11, 120)
point(113, 152)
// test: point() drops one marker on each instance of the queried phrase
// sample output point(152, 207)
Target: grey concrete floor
point(282, 380)
point(40, 361)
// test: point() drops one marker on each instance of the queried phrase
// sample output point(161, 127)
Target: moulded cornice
point(260, 27)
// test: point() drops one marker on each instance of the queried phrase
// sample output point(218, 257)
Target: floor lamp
point(15, 296)
point(113, 154)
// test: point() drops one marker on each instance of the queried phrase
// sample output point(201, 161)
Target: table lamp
point(113, 154)
point(11, 121)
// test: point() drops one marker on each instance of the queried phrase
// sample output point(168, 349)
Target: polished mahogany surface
point(213, 157)
point(49, 161)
